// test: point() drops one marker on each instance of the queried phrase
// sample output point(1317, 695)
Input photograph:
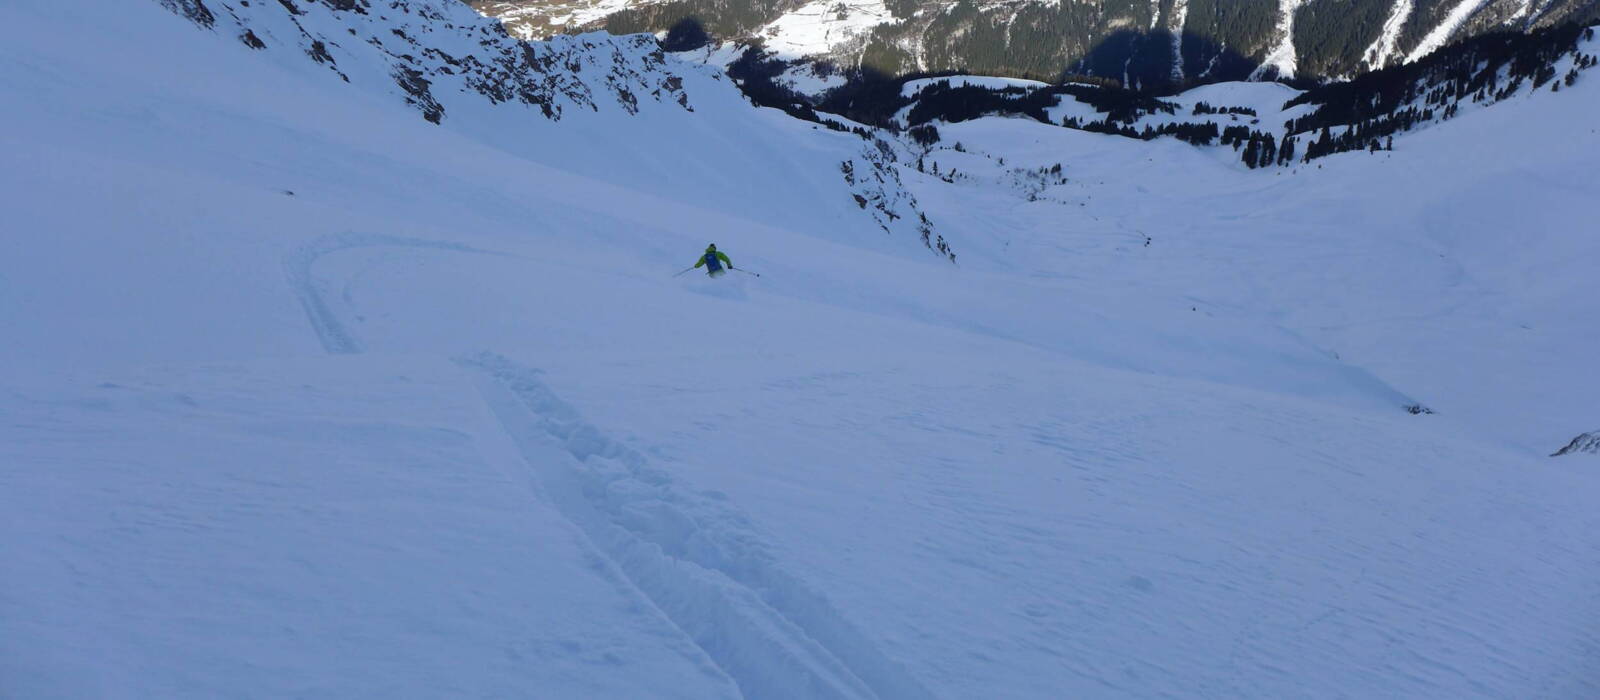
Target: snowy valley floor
point(304, 396)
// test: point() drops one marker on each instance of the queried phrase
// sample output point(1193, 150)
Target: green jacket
point(719, 254)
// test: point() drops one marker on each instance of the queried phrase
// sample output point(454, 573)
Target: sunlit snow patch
point(1446, 29)
point(820, 26)
point(914, 87)
point(1283, 58)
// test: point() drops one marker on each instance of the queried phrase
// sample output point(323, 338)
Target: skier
point(714, 260)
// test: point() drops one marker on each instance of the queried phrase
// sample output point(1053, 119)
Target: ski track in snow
point(335, 338)
point(693, 557)
point(1446, 29)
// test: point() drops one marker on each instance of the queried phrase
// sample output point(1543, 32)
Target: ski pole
point(740, 269)
point(683, 271)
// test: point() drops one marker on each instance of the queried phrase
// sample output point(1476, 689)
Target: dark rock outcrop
point(1587, 442)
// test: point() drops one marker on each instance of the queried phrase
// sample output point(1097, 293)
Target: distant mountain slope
point(1274, 125)
point(1155, 44)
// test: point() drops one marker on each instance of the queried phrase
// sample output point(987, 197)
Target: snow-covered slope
point(305, 395)
point(1264, 102)
point(822, 26)
point(1489, 238)
point(912, 87)
point(1263, 124)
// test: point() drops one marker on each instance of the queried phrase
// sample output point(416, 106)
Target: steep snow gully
point(690, 553)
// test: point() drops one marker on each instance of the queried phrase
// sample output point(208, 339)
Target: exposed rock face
point(438, 56)
point(195, 10)
point(1588, 442)
point(434, 52)
point(875, 185)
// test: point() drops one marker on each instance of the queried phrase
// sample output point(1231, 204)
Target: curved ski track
point(693, 556)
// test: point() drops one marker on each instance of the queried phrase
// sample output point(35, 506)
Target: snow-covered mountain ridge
point(438, 53)
point(1153, 45)
point(1587, 442)
point(305, 394)
point(417, 44)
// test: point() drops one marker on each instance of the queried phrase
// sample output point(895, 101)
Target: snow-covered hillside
point(1264, 124)
point(547, 18)
point(821, 26)
point(1156, 45)
point(912, 87)
point(307, 395)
